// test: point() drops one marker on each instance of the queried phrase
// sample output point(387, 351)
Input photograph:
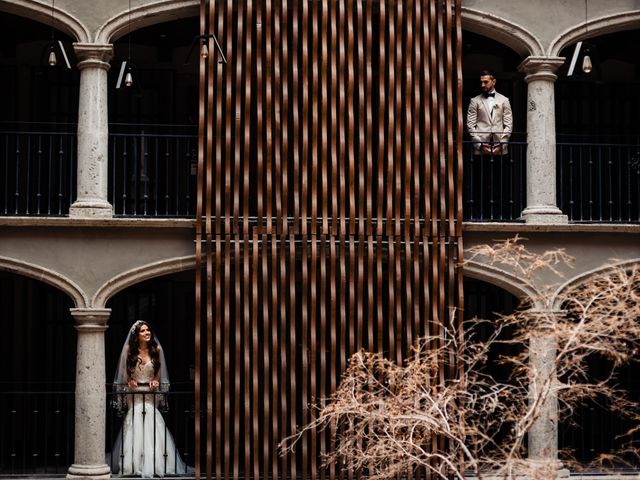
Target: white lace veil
point(120, 381)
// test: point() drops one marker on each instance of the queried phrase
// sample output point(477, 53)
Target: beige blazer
point(485, 126)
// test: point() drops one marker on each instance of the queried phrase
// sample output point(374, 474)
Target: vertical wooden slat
point(255, 382)
point(313, 350)
point(248, 313)
point(396, 115)
point(237, 367)
point(304, 344)
point(268, 107)
point(351, 119)
point(228, 87)
point(323, 330)
point(305, 119)
point(334, 210)
point(368, 25)
point(260, 86)
point(282, 78)
point(371, 276)
point(360, 200)
point(248, 92)
point(295, 90)
point(280, 198)
point(334, 351)
point(293, 343)
point(315, 42)
point(217, 379)
point(382, 137)
point(223, 355)
point(324, 118)
point(274, 340)
point(267, 347)
point(342, 109)
point(285, 359)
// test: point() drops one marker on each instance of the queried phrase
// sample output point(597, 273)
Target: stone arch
point(560, 293)
point(50, 277)
point(594, 28)
point(145, 15)
point(510, 34)
point(500, 278)
point(137, 275)
point(42, 13)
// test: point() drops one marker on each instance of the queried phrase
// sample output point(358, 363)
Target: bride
point(144, 446)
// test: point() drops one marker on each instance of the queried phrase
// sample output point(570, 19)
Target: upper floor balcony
point(153, 169)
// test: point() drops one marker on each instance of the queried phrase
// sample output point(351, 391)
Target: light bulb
point(587, 66)
point(204, 50)
point(52, 57)
point(128, 79)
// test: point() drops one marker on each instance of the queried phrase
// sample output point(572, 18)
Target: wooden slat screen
point(330, 205)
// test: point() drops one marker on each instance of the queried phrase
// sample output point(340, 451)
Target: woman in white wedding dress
point(145, 446)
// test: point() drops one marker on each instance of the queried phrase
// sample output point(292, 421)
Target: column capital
point(91, 319)
point(97, 55)
point(540, 68)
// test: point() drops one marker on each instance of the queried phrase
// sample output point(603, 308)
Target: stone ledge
point(518, 227)
point(185, 223)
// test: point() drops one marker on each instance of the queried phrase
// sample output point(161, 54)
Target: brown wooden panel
point(329, 193)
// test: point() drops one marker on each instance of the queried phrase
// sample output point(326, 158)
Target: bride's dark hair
point(134, 349)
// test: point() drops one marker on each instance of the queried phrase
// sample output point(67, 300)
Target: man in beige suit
point(489, 119)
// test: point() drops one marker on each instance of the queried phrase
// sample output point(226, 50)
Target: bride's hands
point(132, 384)
point(154, 384)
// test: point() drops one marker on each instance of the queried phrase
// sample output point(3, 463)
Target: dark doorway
point(37, 351)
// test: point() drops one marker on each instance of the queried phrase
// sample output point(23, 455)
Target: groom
point(489, 119)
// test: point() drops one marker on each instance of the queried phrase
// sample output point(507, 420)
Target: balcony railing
point(599, 182)
point(37, 429)
point(153, 169)
point(494, 185)
point(36, 432)
point(37, 169)
point(178, 414)
point(152, 172)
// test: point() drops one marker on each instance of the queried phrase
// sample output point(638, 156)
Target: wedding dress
point(145, 446)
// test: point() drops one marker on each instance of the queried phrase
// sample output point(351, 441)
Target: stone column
point(543, 436)
point(93, 132)
point(90, 397)
point(542, 205)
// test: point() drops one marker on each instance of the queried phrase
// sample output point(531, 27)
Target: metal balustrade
point(37, 429)
point(494, 185)
point(153, 169)
point(177, 409)
point(37, 169)
point(36, 432)
point(152, 173)
point(599, 182)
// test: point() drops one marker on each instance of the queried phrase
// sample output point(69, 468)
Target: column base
point(91, 210)
point(87, 472)
point(544, 215)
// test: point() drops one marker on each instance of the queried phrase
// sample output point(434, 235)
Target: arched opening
point(598, 135)
point(485, 301)
point(37, 120)
point(167, 304)
point(153, 121)
point(494, 186)
point(37, 351)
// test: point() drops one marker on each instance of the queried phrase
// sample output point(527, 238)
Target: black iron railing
point(36, 432)
point(494, 183)
point(599, 182)
point(164, 416)
point(37, 169)
point(152, 172)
